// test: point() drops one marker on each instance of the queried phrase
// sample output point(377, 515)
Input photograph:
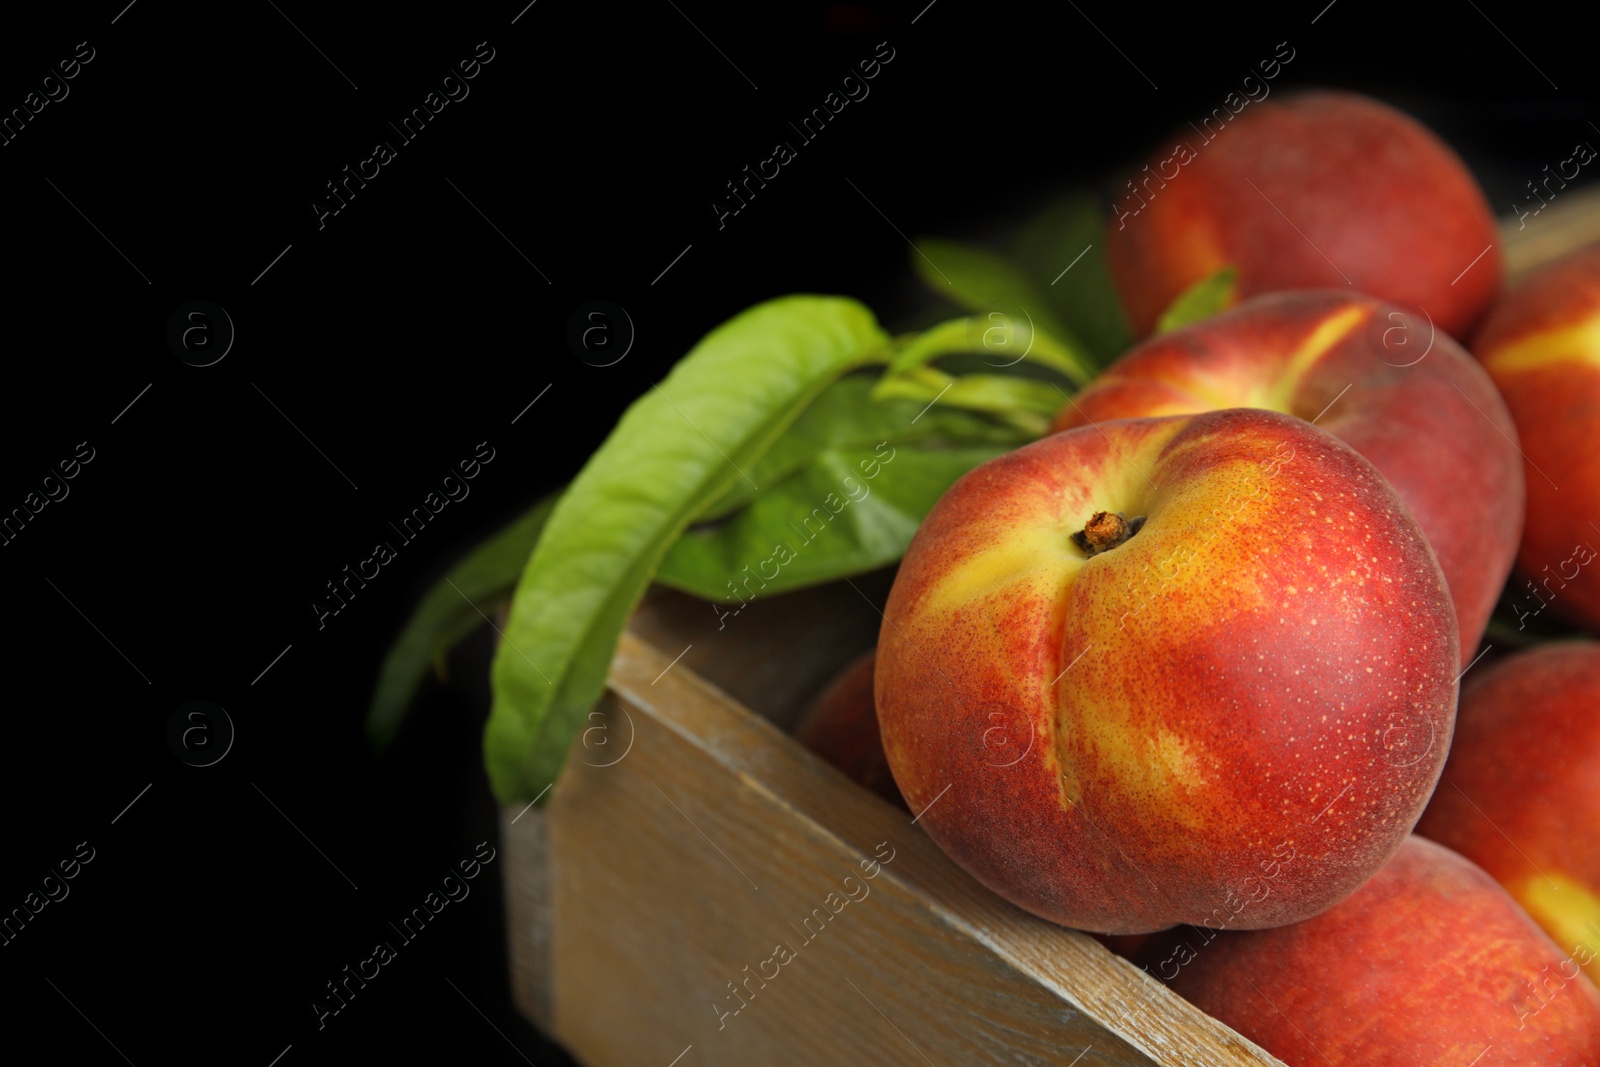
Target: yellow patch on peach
point(1182, 765)
point(1041, 553)
point(1568, 912)
point(1329, 332)
point(1577, 343)
point(1224, 387)
point(1211, 386)
point(1156, 770)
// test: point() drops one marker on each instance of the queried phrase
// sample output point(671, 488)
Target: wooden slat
point(524, 838)
point(1571, 221)
point(776, 655)
point(689, 860)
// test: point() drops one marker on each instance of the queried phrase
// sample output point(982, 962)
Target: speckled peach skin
point(1307, 191)
point(1233, 718)
point(1429, 963)
point(1541, 345)
point(1520, 795)
point(1405, 396)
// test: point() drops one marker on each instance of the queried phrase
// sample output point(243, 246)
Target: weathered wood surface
point(1570, 221)
point(717, 837)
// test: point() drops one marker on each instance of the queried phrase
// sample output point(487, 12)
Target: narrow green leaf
point(846, 415)
point(984, 282)
point(1025, 404)
point(453, 608)
point(1064, 246)
point(1004, 395)
point(848, 512)
point(673, 453)
point(1201, 300)
point(1004, 340)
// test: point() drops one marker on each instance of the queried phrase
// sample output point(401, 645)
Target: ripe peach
point(1322, 189)
point(1132, 674)
point(842, 728)
point(1520, 795)
point(1430, 962)
point(1406, 397)
point(1541, 345)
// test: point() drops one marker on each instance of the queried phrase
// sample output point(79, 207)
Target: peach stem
point(1104, 531)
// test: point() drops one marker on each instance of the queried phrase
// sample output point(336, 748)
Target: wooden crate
point(646, 886)
point(690, 836)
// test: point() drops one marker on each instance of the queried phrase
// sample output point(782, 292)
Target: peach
point(842, 728)
point(1322, 189)
point(1520, 795)
point(1430, 962)
point(1131, 674)
point(1541, 345)
point(1406, 397)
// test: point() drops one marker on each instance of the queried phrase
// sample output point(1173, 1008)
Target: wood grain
point(1571, 221)
point(714, 840)
point(774, 656)
point(524, 838)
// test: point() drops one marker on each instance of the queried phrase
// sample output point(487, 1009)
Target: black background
point(414, 325)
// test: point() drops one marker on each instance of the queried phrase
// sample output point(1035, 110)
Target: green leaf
point(1201, 300)
point(847, 416)
point(844, 416)
point(1005, 340)
point(1026, 404)
point(675, 451)
point(1066, 243)
point(848, 512)
point(982, 281)
point(453, 608)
